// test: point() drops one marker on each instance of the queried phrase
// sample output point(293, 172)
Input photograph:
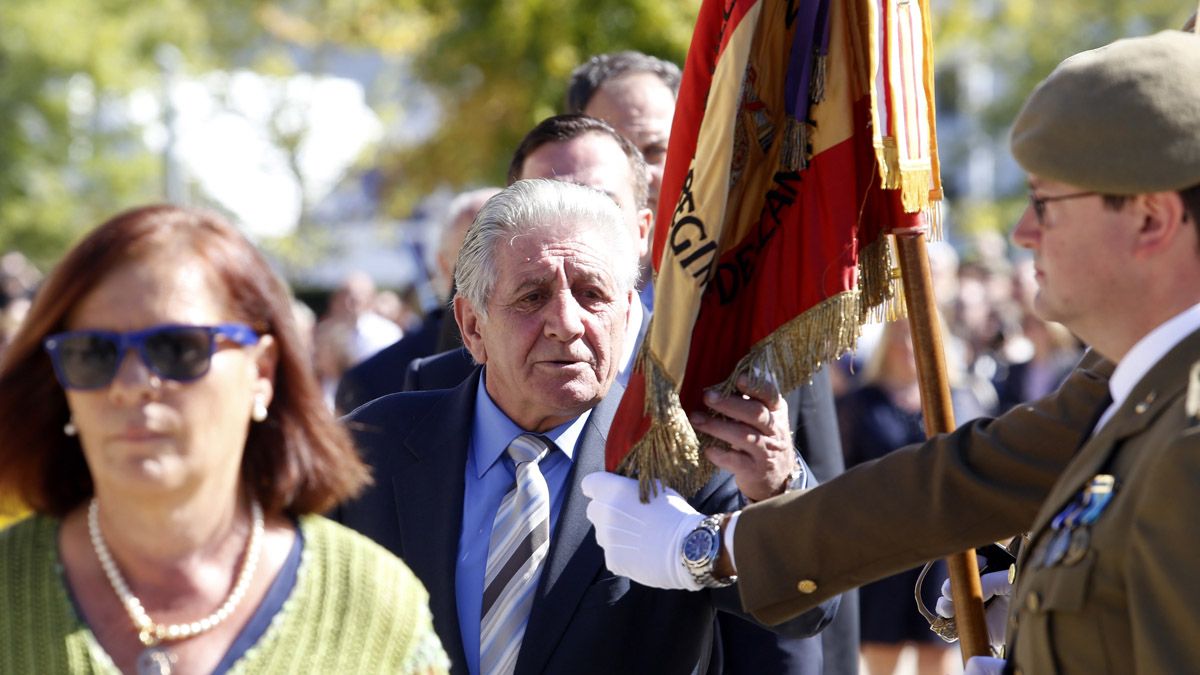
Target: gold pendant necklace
point(156, 659)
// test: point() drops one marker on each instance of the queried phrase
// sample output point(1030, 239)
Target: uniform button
point(1144, 405)
point(1033, 602)
point(807, 586)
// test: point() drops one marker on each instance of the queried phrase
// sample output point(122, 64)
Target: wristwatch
point(700, 549)
point(797, 479)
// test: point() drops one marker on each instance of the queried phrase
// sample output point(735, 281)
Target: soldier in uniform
point(1104, 474)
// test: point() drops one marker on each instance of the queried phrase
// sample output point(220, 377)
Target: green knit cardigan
point(355, 608)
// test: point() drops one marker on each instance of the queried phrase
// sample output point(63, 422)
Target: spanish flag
point(803, 134)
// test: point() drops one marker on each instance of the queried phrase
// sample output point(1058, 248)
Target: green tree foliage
point(67, 68)
point(1021, 41)
point(1025, 39)
point(64, 64)
point(498, 68)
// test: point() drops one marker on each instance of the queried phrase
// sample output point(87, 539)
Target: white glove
point(996, 587)
point(641, 541)
point(984, 665)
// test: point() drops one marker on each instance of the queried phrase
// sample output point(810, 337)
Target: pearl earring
point(69, 428)
point(259, 413)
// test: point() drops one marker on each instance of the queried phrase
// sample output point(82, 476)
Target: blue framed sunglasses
point(90, 359)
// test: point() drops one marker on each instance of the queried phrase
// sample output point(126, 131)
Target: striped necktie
point(519, 543)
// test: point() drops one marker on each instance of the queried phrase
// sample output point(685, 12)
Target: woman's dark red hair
point(298, 461)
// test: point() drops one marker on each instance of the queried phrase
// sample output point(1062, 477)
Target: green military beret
point(1122, 119)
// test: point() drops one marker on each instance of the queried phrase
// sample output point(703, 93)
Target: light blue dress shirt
point(490, 474)
point(647, 295)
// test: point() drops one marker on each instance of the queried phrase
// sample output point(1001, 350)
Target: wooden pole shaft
point(939, 418)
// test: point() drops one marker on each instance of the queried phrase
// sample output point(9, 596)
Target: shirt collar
point(493, 431)
point(1149, 351)
point(646, 295)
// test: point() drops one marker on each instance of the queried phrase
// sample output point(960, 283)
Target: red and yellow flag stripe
point(767, 266)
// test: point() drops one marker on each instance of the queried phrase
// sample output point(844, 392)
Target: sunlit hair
point(880, 365)
point(540, 204)
point(563, 128)
point(299, 461)
point(593, 73)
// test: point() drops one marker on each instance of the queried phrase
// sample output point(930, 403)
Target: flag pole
point(938, 413)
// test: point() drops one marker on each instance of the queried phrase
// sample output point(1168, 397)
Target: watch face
point(698, 546)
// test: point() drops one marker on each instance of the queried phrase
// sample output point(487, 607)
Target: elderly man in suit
point(477, 486)
point(577, 149)
point(585, 150)
point(1104, 473)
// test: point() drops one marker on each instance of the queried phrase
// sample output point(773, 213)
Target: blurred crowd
point(18, 280)
point(998, 352)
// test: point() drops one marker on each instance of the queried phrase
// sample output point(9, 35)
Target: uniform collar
point(1147, 352)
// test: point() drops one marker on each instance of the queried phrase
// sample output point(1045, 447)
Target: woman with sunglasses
point(160, 417)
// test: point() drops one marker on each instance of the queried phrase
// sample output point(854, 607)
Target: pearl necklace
point(151, 633)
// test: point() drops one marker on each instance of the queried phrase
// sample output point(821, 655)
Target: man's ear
point(1163, 218)
point(470, 325)
point(645, 224)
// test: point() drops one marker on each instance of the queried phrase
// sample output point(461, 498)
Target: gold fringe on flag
point(881, 291)
point(669, 451)
point(933, 216)
point(789, 356)
point(887, 155)
point(915, 186)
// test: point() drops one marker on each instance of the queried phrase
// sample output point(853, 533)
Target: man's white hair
point(540, 204)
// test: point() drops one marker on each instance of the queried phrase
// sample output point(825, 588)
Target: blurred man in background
point(383, 373)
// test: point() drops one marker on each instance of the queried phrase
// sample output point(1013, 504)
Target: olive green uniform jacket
point(1130, 604)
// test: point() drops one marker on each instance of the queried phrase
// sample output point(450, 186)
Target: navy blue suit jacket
point(584, 619)
point(383, 373)
point(742, 646)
